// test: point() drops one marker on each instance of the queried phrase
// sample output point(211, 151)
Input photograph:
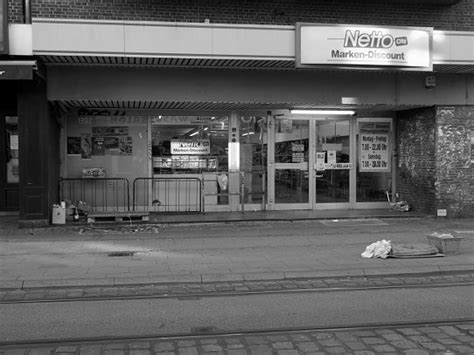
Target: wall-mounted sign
point(374, 146)
point(364, 46)
point(194, 147)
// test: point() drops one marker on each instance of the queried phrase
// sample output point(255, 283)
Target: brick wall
point(455, 172)
point(456, 17)
point(417, 158)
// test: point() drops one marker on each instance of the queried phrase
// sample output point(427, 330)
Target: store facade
point(193, 124)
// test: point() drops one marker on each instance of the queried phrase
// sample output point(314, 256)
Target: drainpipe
point(27, 11)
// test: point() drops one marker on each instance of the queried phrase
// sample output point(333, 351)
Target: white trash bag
point(379, 249)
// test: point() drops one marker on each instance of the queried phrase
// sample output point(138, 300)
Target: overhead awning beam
point(17, 69)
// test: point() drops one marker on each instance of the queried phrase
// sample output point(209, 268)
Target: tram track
point(199, 295)
point(417, 317)
point(209, 333)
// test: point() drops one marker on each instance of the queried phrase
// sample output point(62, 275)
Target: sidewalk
point(280, 248)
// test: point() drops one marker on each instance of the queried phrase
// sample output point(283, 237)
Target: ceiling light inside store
point(193, 134)
point(322, 112)
point(247, 133)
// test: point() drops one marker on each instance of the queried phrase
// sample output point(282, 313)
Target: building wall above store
point(63, 39)
point(428, 13)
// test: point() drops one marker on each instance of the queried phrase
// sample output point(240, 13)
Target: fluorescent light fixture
point(194, 133)
point(247, 134)
point(322, 112)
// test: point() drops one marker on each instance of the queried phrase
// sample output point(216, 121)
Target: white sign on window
point(191, 147)
point(357, 45)
point(374, 147)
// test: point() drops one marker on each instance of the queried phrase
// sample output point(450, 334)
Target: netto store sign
point(363, 46)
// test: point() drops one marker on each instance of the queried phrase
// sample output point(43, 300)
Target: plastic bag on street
point(380, 249)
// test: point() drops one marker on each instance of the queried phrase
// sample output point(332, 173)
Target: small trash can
point(58, 215)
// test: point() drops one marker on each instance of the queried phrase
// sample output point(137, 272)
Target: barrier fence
point(100, 194)
point(156, 194)
point(167, 194)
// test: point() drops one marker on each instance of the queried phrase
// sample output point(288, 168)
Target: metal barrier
point(165, 194)
point(246, 196)
point(100, 194)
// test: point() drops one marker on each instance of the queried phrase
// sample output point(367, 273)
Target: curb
point(221, 278)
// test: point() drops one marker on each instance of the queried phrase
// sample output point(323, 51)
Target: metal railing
point(157, 194)
point(249, 195)
point(160, 194)
point(245, 195)
point(100, 194)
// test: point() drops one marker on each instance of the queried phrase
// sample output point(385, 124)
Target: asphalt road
point(152, 317)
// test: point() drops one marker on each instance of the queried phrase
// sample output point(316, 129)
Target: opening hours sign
point(374, 147)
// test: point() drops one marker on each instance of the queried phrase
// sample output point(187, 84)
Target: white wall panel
point(72, 38)
point(453, 47)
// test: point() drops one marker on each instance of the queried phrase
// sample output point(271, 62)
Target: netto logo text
point(376, 39)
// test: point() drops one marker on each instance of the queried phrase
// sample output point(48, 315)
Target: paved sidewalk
point(219, 252)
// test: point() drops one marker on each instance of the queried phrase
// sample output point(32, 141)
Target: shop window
point(190, 148)
point(12, 149)
point(195, 146)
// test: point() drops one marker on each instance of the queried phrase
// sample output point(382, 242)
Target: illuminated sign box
point(357, 46)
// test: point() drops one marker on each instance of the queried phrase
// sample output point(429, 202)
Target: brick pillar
point(455, 179)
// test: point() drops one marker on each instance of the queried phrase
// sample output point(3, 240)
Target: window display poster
point(321, 161)
point(297, 154)
point(472, 150)
point(111, 143)
point(125, 145)
point(14, 141)
point(74, 145)
point(109, 131)
point(331, 156)
point(98, 147)
point(86, 146)
point(374, 147)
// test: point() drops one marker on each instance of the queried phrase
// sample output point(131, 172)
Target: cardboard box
point(445, 245)
point(58, 215)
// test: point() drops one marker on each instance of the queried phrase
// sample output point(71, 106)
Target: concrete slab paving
point(270, 249)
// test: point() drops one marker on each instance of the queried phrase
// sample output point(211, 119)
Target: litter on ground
point(386, 249)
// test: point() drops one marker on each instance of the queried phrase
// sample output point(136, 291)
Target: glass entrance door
point(291, 164)
point(329, 162)
point(312, 162)
point(334, 162)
